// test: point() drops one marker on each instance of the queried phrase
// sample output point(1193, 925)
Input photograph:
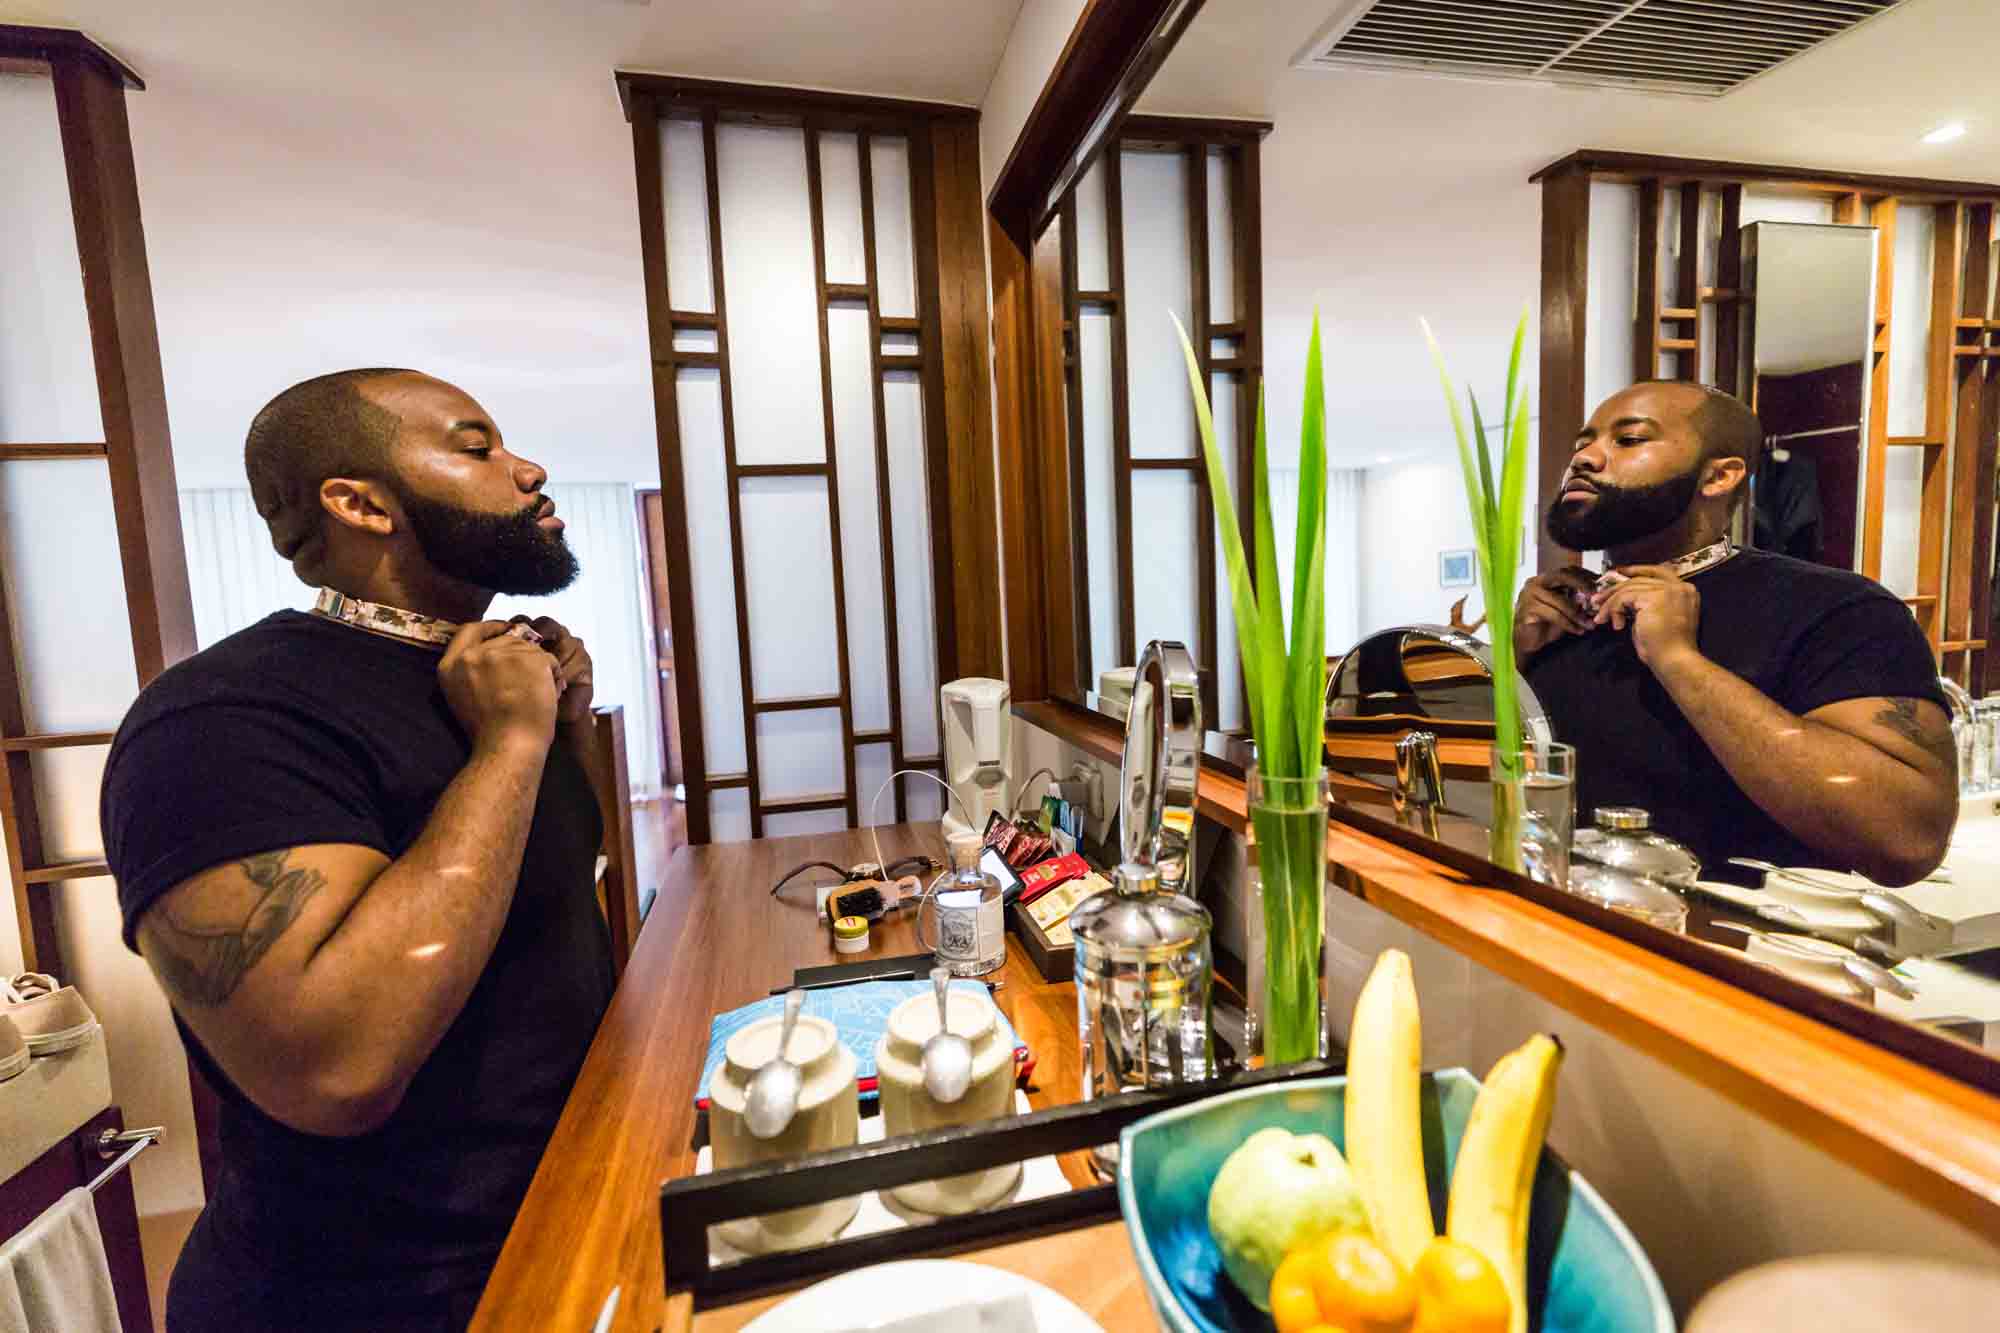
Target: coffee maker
point(976, 750)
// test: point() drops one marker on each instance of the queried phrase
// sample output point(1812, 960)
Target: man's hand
point(1662, 609)
point(572, 665)
point(1547, 609)
point(499, 686)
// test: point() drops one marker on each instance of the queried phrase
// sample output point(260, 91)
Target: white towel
point(53, 1275)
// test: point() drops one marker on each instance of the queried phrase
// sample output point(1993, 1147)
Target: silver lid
point(1622, 817)
point(965, 850)
point(1635, 849)
point(1134, 920)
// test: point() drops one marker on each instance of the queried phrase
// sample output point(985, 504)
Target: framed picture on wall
point(1457, 569)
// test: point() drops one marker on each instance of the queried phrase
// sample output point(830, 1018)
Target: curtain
point(1343, 549)
point(237, 579)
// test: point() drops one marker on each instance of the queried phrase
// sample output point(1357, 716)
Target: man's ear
point(361, 505)
point(1723, 476)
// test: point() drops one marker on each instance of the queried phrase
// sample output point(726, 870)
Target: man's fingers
point(474, 632)
point(1542, 604)
point(1582, 580)
point(551, 629)
point(1665, 573)
point(1622, 603)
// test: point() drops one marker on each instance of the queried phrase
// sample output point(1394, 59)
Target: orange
point(1294, 1306)
point(1458, 1291)
point(1360, 1287)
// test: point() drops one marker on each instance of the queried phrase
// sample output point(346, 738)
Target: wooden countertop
point(716, 940)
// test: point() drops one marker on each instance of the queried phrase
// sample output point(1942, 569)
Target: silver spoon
point(947, 1058)
point(1894, 910)
point(772, 1098)
point(1868, 973)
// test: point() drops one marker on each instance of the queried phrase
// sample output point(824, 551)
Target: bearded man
point(356, 847)
point(1757, 705)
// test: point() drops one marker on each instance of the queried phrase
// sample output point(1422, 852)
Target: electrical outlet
point(1092, 781)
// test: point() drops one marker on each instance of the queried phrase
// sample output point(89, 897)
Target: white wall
point(1410, 512)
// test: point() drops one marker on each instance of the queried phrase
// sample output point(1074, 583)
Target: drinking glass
point(1534, 809)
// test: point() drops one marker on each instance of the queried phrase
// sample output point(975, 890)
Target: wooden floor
point(658, 827)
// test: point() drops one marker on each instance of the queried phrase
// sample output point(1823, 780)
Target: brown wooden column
point(125, 346)
point(1565, 284)
point(966, 377)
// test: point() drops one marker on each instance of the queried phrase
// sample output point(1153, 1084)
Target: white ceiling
point(1390, 195)
point(1859, 101)
point(446, 184)
point(456, 51)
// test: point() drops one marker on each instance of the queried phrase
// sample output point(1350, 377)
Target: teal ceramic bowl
point(1585, 1272)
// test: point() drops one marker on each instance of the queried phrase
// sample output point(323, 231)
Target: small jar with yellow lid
point(850, 934)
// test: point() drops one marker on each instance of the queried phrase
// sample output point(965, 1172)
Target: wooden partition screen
point(1112, 53)
point(1706, 323)
point(1230, 351)
point(939, 343)
point(90, 85)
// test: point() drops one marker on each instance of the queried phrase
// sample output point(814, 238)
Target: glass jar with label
point(967, 919)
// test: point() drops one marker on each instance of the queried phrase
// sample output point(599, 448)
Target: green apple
point(1275, 1190)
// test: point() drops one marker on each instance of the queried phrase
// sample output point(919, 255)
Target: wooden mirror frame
point(1112, 53)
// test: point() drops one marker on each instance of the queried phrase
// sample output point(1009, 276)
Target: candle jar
point(908, 1107)
point(827, 1117)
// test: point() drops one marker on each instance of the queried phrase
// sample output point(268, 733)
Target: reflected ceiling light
point(1946, 133)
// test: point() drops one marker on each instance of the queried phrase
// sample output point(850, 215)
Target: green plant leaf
point(1513, 491)
point(1496, 526)
point(1306, 686)
point(1489, 496)
point(1242, 596)
point(1269, 627)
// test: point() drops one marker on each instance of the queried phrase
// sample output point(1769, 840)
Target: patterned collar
point(389, 620)
point(1687, 566)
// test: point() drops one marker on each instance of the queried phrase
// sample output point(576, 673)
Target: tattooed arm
point(321, 977)
point(1870, 783)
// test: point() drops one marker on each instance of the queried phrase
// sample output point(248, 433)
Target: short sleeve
point(204, 785)
point(1867, 647)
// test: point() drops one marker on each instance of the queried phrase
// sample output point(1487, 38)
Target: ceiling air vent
point(1699, 48)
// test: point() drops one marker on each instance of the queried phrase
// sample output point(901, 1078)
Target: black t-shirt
point(303, 730)
point(1805, 635)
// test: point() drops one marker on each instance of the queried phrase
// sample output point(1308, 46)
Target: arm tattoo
point(1901, 717)
point(202, 963)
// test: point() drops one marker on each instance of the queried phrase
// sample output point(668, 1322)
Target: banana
point(1494, 1180)
point(1385, 1128)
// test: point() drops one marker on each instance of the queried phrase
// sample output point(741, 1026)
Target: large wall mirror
point(1373, 166)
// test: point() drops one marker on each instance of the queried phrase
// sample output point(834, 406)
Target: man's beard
point(508, 553)
point(1623, 514)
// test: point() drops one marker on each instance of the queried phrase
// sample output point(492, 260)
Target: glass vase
point(1534, 811)
point(1288, 823)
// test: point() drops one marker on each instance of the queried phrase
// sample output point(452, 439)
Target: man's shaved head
point(319, 428)
point(1725, 424)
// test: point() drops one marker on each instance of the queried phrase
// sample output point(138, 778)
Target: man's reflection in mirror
point(1757, 705)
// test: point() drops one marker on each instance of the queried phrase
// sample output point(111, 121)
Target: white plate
point(871, 1296)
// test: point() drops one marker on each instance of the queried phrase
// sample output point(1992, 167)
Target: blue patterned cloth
point(859, 1013)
